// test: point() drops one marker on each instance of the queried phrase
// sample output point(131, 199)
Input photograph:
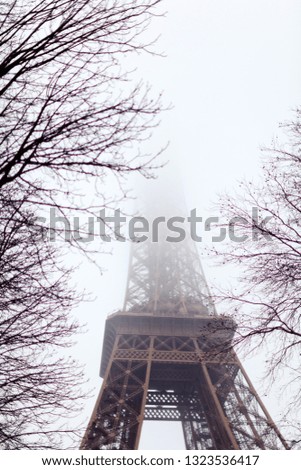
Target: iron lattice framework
point(167, 356)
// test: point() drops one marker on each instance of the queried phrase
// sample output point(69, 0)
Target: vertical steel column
point(146, 386)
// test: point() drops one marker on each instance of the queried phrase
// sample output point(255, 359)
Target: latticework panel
point(167, 277)
point(114, 424)
point(252, 428)
point(197, 435)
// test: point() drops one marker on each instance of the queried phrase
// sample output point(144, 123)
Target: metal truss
point(167, 277)
point(167, 356)
point(171, 379)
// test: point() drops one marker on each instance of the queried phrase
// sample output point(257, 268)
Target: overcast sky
point(232, 72)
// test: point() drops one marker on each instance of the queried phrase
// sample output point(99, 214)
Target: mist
point(231, 72)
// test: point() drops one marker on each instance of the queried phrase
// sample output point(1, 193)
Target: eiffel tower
point(168, 356)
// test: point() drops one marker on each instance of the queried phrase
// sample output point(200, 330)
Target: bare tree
point(38, 384)
point(265, 228)
point(66, 104)
point(69, 115)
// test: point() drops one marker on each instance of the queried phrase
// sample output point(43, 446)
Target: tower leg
point(118, 415)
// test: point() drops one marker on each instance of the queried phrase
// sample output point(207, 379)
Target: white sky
point(232, 72)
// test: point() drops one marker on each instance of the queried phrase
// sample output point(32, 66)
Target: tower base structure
point(177, 368)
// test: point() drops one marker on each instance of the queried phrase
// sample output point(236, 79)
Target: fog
point(232, 73)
